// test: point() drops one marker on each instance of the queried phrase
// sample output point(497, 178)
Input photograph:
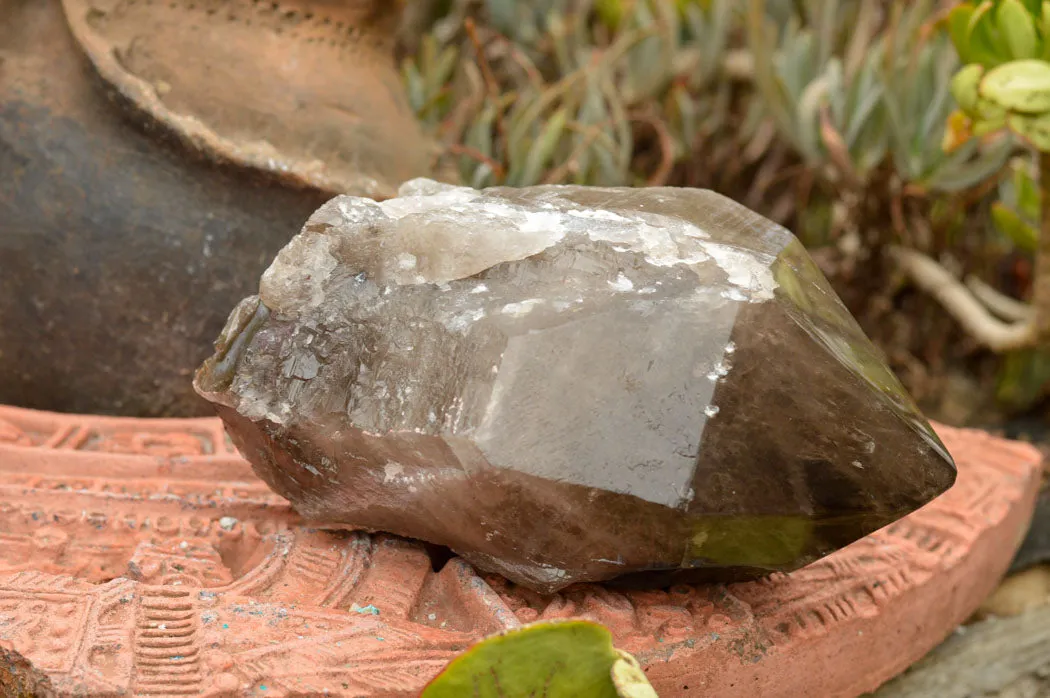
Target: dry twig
point(1002, 305)
point(663, 172)
point(491, 84)
point(497, 168)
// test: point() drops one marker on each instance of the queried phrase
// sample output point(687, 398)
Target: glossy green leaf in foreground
point(562, 659)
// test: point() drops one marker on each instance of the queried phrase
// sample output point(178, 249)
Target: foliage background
point(827, 116)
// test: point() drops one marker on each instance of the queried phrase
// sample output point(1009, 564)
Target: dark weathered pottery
point(154, 156)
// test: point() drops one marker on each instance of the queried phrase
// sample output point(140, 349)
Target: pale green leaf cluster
point(1005, 84)
point(992, 32)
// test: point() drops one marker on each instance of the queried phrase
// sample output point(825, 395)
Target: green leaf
point(1045, 26)
point(1017, 29)
point(1035, 130)
point(1023, 378)
point(967, 174)
point(965, 85)
point(991, 113)
point(610, 12)
point(807, 113)
point(958, 155)
point(568, 658)
point(502, 14)
point(1019, 86)
point(1026, 191)
point(1033, 7)
point(445, 66)
point(988, 126)
point(479, 134)
point(935, 108)
point(543, 149)
point(413, 86)
point(980, 36)
point(959, 30)
point(1010, 224)
point(861, 115)
point(683, 108)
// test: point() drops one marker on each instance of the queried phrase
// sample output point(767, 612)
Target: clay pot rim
point(194, 133)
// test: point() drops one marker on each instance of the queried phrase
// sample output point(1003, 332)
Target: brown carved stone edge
point(141, 557)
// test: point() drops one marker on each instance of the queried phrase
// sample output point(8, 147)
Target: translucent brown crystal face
point(569, 384)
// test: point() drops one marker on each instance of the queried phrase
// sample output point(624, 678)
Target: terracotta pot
point(154, 157)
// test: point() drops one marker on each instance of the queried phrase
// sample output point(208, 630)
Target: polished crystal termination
point(569, 384)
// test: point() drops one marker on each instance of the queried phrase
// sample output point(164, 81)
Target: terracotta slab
point(141, 557)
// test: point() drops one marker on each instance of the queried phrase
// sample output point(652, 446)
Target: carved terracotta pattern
point(142, 558)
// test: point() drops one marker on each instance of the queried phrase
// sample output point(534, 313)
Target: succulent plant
point(1024, 373)
point(992, 32)
point(918, 104)
point(426, 78)
point(1013, 95)
point(829, 116)
point(551, 91)
point(1005, 82)
point(882, 94)
point(1003, 86)
point(1016, 213)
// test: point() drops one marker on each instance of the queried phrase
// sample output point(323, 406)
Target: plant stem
point(963, 305)
point(1041, 284)
point(1001, 305)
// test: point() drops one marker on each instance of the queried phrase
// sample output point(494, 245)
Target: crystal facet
point(568, 384)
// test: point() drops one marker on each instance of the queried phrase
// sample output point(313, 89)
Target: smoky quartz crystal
point(567, 384)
